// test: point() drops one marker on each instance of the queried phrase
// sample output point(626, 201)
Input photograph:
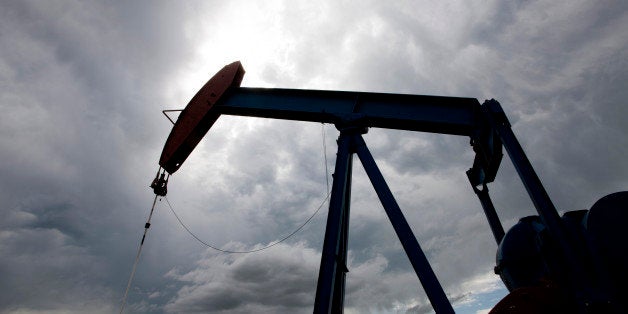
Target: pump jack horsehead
point(576, 263)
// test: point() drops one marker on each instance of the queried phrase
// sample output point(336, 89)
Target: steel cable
point(137, 257)
point(147, 226)
point(273, 243)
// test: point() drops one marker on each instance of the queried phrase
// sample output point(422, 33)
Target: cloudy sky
point(82, 86)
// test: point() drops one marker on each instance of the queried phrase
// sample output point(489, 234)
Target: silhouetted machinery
point(531, 268)
point(550, 264)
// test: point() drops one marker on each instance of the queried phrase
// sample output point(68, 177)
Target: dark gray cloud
point(282, 279)
point(81, 86)
point(76, 86)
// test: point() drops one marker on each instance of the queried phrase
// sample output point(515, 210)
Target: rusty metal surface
point(197, 117)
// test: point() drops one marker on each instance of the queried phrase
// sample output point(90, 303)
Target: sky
point(83, 83)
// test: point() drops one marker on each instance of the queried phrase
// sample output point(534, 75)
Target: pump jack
point(576, 263)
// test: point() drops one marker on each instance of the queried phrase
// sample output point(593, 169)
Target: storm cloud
point(82, 85)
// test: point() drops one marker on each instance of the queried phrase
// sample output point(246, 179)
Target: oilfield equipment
point(550, 264)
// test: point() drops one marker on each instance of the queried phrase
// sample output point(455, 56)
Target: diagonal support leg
point(489, 210)
point(419, 262)
point(541, 200)
point(337, 305)
point(331, 277)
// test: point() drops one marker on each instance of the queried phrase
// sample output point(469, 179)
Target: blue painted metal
point(331, 280)
point(489, 210)
point(331, 276)
point(572, 275)
point(337, 305)
point(419, 262)
point(447, 115)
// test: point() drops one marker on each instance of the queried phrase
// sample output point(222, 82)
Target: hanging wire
point(273, 243)
point(137, 257)
point(147, 225)
point(249, 251)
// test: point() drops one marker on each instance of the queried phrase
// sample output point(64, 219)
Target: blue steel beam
point(330, 286)
point(545, 208)
point(337, 306)
point(421, 265)
point(435, 114)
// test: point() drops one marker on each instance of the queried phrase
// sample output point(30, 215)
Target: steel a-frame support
point(333, 269)
point(572, 273)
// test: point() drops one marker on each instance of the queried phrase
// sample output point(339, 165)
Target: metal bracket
point(170, 110)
